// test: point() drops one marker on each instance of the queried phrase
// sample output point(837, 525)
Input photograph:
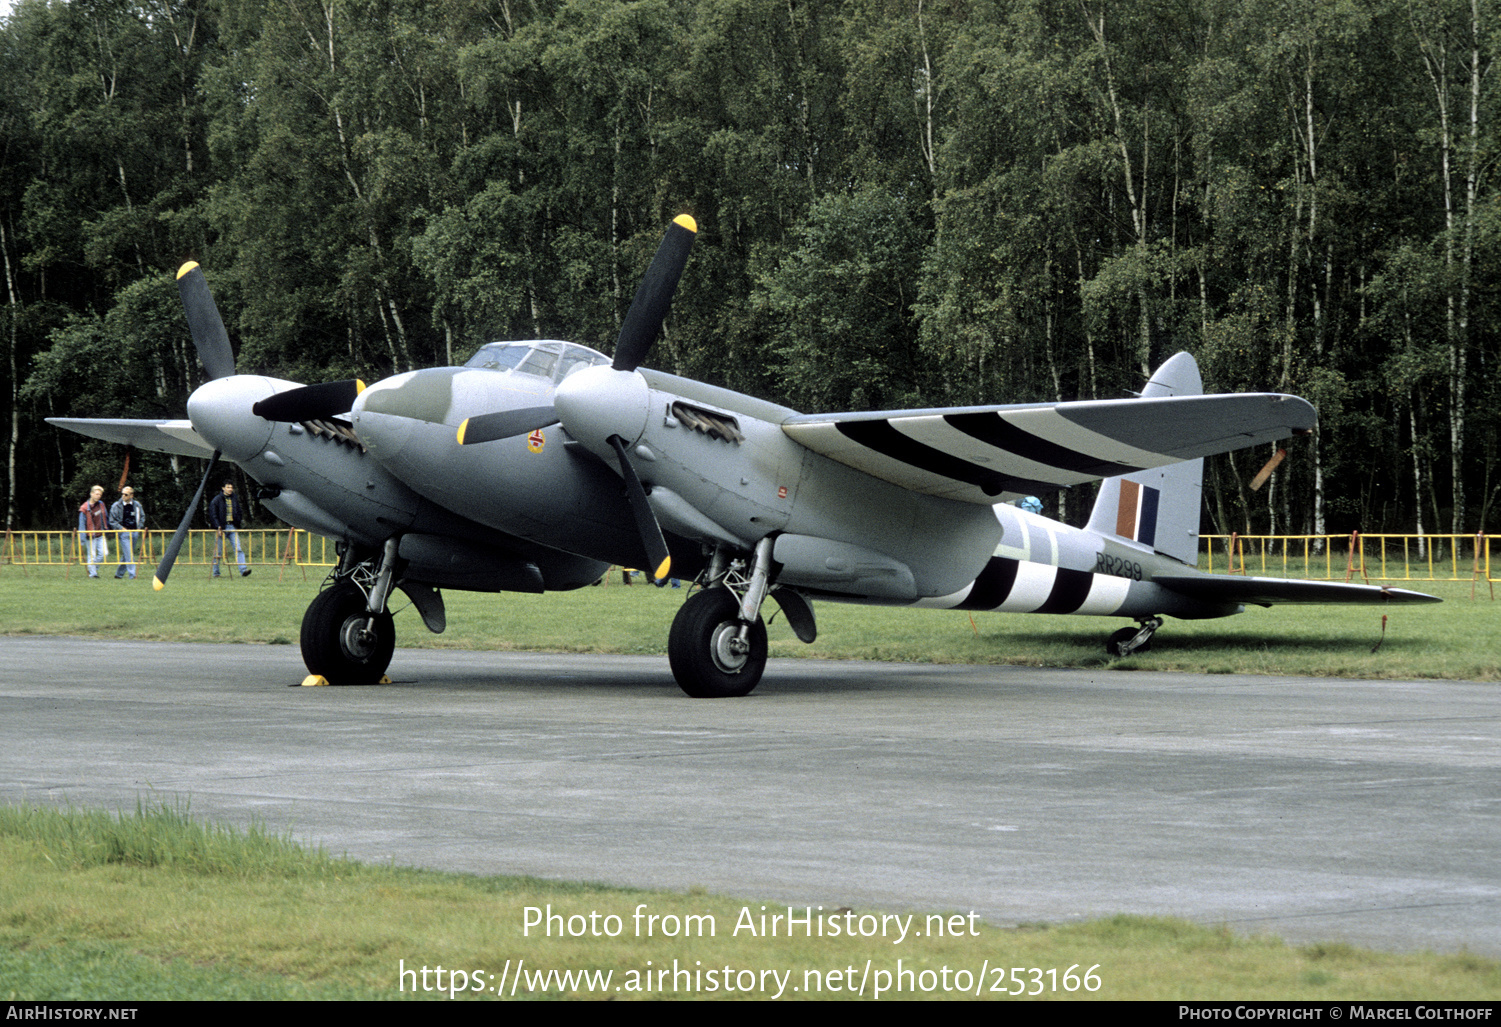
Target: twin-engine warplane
point(537, 465)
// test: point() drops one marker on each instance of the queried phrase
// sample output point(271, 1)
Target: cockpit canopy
point(546, 358)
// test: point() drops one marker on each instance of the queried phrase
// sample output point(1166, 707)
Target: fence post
point(1356, 547)
point(289, 555)
point(1476, 571)
point(1235, 548)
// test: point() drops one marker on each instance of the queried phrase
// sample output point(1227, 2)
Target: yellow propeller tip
point(662, 569)
point(189, 266)
point(686, 221)
point(463, 428)
point(359, 386)
point(157, 584)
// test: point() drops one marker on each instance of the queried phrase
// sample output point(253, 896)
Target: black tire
point(697, 647)
point(333, 641)
point(1119, 638)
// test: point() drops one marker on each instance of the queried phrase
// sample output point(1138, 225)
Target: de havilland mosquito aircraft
point(538, 465)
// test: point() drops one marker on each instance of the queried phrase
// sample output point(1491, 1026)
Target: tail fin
point(1158, 508)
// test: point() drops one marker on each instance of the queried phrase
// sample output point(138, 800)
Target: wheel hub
point(729, 649)
point(355, 640)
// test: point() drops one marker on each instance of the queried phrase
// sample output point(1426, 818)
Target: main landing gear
point(717, 646)
point(714, 654)
point(348, 635)
point(1133, 640)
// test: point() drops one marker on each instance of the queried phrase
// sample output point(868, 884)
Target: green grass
point(157, 905)
point(1457, 639)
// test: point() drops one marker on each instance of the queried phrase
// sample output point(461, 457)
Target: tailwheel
point(340, 639)
point(1133, 640)
point(713, 653)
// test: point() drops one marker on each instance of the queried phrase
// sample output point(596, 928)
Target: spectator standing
point(128, 518)
point(93, 526)
point(224, 517)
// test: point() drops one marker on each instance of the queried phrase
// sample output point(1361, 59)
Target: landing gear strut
point(717, 646)
point(348, 635)
point(1133, 640)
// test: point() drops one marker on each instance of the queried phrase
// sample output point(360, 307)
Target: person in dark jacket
point(224, 512)
point(128, 517)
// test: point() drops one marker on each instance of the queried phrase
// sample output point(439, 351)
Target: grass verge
point(157, 905)
point(1457, 639)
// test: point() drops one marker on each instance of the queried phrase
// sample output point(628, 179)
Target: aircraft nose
point(220, 412)
point(386, 413)
point(425, 395)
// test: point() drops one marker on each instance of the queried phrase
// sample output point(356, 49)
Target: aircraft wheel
point(1119, 638)
point(700, 647)
point(335, 642)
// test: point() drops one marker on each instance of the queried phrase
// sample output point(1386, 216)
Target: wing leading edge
point(990, 454)
point(158, 436)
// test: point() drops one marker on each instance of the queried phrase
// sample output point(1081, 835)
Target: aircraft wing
point(1234, 588)
point(159, 436)
point(987, 454)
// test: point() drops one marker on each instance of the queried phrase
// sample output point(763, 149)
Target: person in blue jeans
point(128, 518)
point(93, 528)
point(224, 517)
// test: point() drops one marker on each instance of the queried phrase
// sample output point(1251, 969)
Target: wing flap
point(158, 436)
point(990, 454)
point(1233, 588)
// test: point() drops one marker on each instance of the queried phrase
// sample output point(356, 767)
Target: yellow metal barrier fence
point(1321, 557)
point(266, 547)
point(1353, 557)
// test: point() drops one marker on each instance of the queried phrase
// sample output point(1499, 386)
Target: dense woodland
point(900, 202)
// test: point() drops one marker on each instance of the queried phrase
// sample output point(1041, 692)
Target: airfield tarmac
point(1312, 809)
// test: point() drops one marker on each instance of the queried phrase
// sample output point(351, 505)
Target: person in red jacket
point(93, 529)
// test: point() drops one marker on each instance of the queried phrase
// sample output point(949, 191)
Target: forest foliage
point(901, 203)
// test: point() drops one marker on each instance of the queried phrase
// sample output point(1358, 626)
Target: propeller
point(639, 330)
point(311, 402)
point(505, 423)
point(204, 322)
point(646, 520)
point(159, 580)
point(643, 321)
point(218, 359)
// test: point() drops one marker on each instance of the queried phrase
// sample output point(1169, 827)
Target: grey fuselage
point(839, 533)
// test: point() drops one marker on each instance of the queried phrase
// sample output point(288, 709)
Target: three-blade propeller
point(212, 341)
point(638, 332)
point(218, 359)
point(309, 403)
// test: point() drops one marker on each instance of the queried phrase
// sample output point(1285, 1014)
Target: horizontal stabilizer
point(157, 436)
point(1232, 588)
point(988, 454)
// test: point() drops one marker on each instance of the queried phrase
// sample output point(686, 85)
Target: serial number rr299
point(1104, 563)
